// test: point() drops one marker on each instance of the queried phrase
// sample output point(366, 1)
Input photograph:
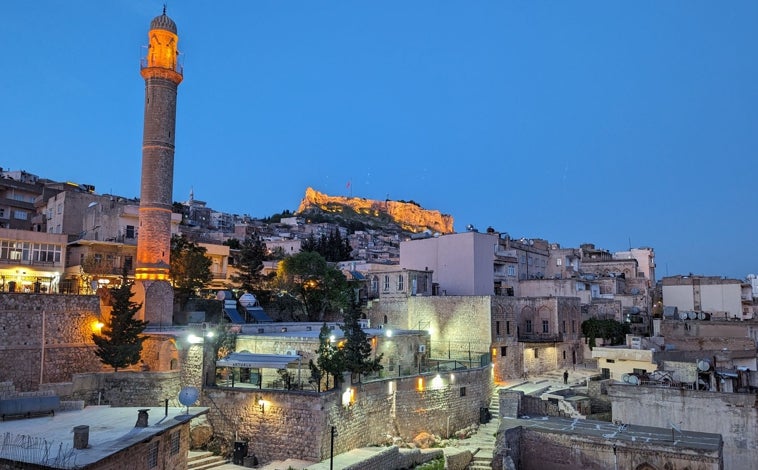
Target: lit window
point(558, 262)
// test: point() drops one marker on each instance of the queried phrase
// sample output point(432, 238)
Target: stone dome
point(163, 22)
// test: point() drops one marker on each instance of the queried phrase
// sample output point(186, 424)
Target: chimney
point(81, 437)
point(142, 418)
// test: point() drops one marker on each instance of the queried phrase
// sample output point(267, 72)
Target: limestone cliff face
point(407, 216)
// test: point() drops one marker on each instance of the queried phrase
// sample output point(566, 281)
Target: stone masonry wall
point(558, 451)
point(297, 424)
point(68, 347)
point(733, 415)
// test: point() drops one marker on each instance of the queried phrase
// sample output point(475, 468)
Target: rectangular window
point(507, 327)
point(536, 353)
point(60, 208)
point(2, 212)
point(463, 391)
point(497, 328)
point(400, 283)
point(564, 326)
point(573, 326)
point(386, 283)
point(610, 361)
point(558, 262)
point(545, 326)
point(130, 231)
point(152, 455)
point(503, 350)
point(20, 215)
point(511, 271)
point(528, 326)
point(175, 442)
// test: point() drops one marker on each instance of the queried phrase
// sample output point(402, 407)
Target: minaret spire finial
point(164, 9)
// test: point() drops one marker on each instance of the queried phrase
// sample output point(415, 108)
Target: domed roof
point(163, 22)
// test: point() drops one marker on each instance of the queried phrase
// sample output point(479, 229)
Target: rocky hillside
point(407, 216)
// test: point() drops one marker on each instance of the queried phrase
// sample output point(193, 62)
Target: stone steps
point(204, 461)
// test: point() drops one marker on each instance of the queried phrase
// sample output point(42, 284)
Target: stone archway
point(168, 356)
point(645, 466)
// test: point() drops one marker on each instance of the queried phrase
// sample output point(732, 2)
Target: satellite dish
point(703, 365)
point(634, 380)
point(188, 396)
point(625, 378)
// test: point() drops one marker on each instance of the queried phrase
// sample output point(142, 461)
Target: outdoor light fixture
point(331, 338)
point(388, 333)
point(261, 403)
point(194, 339)
point(209, 334)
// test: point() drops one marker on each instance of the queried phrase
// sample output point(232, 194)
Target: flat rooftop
point(627, 433)
point(49, 440)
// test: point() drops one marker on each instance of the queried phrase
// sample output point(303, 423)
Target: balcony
point(540, 337)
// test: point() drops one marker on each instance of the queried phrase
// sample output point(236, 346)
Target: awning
point(257, 361)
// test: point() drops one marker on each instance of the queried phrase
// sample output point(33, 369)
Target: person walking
point(565, 377)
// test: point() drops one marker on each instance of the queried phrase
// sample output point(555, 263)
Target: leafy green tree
point(333, 247)
point(190, 268)
point(119, 343)
point(356, 351)
point(314, 286)
point(249, 263)
point(329, 361)
point(233, 244)
point(610, 330)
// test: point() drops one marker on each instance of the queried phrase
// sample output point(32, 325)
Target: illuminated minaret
point(162, 75)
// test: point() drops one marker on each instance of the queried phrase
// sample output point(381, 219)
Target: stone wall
point(732, 415)
point(557, 451)
point(297, 424)
point(123, 388)
point(67, 329)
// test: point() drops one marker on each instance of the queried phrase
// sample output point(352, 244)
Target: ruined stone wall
point(123, 388)
point(68, 346)
point(732, 415)
point(297, 424)
point(558, 451)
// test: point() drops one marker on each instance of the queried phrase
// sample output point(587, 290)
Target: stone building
point(31, 261)
point(732, 415)
point(104, 438)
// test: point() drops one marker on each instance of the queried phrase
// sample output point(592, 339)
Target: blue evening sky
point(614, 123)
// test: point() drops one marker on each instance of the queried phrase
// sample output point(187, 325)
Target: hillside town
point(478, 349)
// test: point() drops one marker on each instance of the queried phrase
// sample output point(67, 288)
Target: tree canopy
point(305, 281)
point(190, 268)
point(333, 247)
point(608, 329)
point(248, 260)
point(119, 343)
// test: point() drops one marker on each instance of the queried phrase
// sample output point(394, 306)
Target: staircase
point(203, 460)
point(484, 439)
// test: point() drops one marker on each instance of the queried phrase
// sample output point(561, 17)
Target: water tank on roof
point(692, 315)
point(683, 315)
point(633, 380)
point(248, 300)
point(703, 365)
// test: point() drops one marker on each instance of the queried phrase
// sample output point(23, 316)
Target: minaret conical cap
point(163, 22)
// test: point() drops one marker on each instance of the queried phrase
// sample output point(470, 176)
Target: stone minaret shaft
point(162, 76)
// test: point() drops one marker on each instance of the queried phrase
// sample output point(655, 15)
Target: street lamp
point(331, 449)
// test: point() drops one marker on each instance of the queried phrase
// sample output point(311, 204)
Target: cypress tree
point(120, 345)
